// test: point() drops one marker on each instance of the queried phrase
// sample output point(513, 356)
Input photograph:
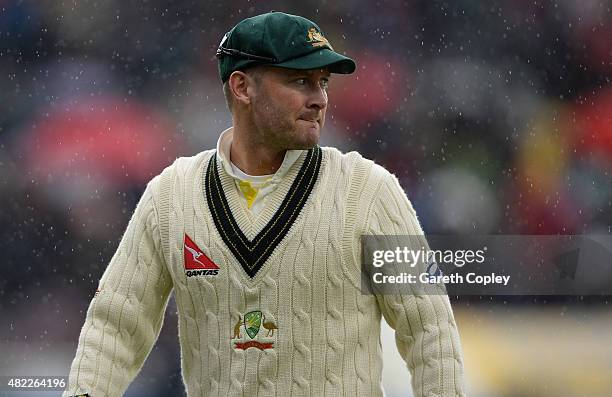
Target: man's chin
point(310, 140)
point(304, 139)
point(303, 145)
point(308, 147)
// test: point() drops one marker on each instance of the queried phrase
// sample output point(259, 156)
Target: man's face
point(288, 106)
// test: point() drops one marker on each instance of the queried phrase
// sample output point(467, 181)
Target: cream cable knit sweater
point(300, 326)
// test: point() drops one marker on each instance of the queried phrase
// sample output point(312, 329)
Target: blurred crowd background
point(495, 115)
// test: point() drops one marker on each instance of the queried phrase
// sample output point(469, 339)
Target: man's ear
point(238, 85)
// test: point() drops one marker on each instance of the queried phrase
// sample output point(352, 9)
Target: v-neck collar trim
point(253, 253)
point(251, 224)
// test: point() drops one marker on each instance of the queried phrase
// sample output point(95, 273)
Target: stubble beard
point(277, 129)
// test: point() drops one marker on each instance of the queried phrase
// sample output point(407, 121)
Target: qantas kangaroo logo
point(196, 261)
point(195, 254)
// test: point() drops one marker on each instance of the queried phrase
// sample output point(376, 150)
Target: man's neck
point(254, 158)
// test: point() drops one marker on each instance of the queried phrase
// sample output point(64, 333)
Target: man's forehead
point(295, 72)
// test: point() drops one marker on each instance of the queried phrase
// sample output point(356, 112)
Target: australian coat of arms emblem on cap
point(317, 39)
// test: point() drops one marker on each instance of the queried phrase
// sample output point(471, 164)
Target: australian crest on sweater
point(268, 304)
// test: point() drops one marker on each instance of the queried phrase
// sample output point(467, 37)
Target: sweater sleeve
point(425, 330)
point(126, 314)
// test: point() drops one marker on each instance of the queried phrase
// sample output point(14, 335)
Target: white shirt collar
point(224, 143)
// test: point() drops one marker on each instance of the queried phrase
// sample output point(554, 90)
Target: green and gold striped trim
point(253, 254)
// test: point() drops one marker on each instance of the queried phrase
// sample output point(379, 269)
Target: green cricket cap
point(281, 40)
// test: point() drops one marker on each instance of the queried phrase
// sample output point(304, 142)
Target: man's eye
point(325, 84)
point(301, 81)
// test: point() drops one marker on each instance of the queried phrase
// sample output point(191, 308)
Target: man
point(260, 240)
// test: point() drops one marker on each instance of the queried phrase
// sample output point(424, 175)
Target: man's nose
point(317, 98)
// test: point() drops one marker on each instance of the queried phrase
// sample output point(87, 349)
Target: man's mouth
point(314, 121)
